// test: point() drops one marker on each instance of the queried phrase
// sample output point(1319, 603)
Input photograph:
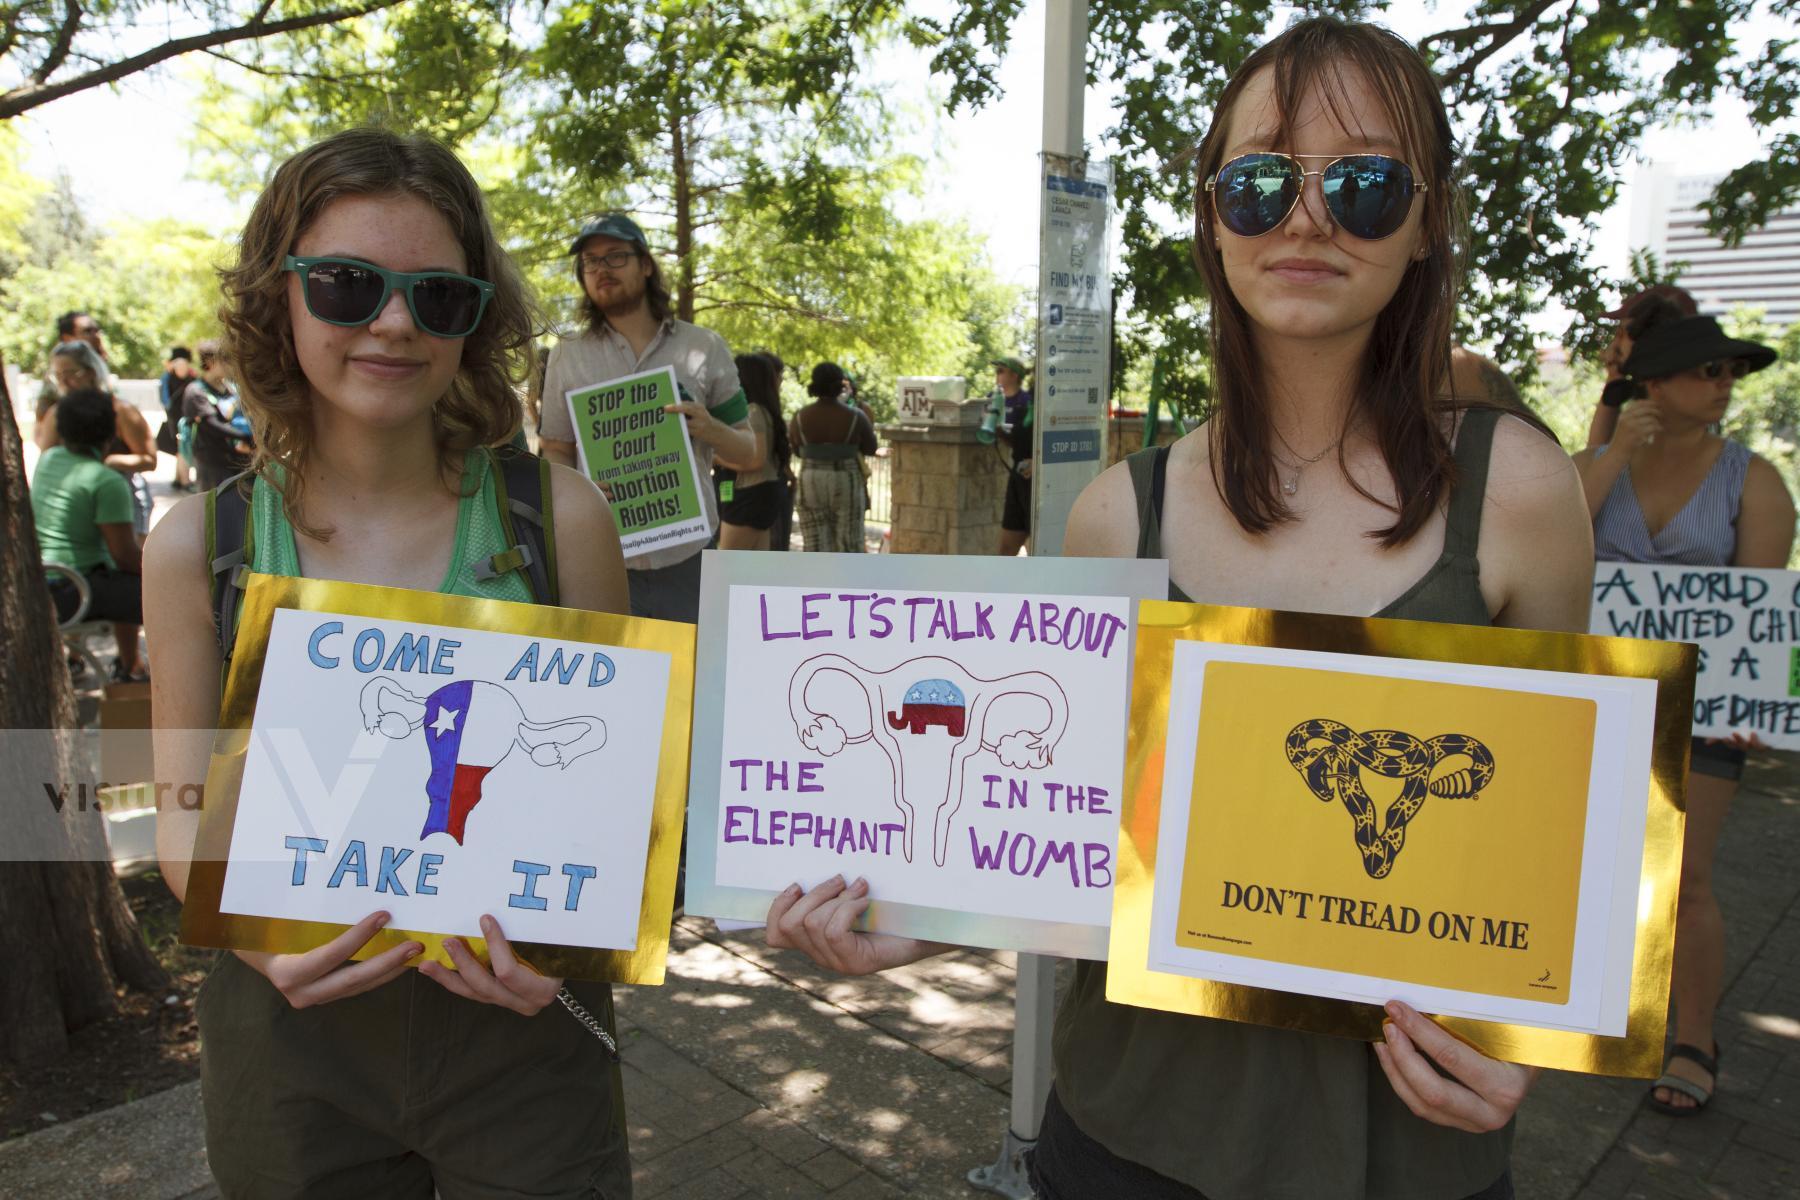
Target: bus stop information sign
point(1074, 341)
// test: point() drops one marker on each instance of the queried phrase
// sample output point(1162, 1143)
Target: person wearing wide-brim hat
point(1668, 489)
point(1618, 388)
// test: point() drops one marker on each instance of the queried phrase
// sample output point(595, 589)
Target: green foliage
point(768, 186)
point(884, 298)
point(19, 192)
point(150, 284)
point(1765, 407)
point(736, 130)
point(1564, 396)
point(1549, 100)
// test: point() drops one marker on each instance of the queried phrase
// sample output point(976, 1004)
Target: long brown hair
point(1407, 360)
point(482, 406)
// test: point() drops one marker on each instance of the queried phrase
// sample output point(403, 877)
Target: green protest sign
point(643, 457)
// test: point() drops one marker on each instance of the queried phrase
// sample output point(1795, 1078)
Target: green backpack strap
point(228, 549)
point(522, 493)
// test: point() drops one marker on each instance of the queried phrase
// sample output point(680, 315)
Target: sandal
point(1700, 1095)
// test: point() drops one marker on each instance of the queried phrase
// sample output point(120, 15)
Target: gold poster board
point(1427, 831)
point(204, 924)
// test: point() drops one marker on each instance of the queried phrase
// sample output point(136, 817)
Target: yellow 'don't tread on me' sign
point(1413, 830)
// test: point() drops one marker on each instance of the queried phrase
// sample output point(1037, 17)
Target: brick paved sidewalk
point(750, 1076)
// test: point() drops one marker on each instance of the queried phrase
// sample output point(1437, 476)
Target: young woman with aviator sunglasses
point(1667, 489)
point(1333, 477)
point(378, 328)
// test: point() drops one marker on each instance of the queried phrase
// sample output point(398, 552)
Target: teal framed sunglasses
point(349, 292)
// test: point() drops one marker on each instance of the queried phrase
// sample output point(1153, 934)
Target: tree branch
point(9, 33)
point(360, 79)
point(29, 96)
point(59, 49)
point(1501, 35)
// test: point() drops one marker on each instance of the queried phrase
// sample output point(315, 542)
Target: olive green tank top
point(479, 536)
point(1246, 1112)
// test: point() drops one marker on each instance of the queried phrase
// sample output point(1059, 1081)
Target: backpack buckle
point(519, 558)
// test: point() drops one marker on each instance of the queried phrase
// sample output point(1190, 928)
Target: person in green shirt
point(83, 512)
point(378, 330)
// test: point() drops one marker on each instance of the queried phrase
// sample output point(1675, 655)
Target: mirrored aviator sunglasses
point(1366, 195)
point(348, 292)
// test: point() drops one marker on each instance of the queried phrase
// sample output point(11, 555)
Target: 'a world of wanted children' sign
point(963, 750)
point(1747, 624)
point(643, 457)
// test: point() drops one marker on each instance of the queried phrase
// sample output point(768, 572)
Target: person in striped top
point(1668, 489)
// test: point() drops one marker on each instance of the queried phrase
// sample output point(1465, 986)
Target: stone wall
point(948, 488)
point(1125, 435)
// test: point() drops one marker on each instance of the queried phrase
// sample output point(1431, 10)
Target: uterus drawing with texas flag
point(470, 728)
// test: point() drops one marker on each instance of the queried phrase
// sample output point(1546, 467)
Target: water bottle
point(990, 420)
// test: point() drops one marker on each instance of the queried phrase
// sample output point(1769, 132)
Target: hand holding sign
point(1481, 1093)
point(821, 924)
point(702, 426)
point(325, 973)
point(511, 984)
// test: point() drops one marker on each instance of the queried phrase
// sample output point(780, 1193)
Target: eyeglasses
point(612, 260)
point(347, 292)
point(1737, 368)
point(1367, 195)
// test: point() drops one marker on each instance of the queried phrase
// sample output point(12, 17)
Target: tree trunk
point(684, 220)
point(67, 937)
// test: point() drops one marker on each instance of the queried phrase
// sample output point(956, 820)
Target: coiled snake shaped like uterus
point(1330, 756)
point(905, 707)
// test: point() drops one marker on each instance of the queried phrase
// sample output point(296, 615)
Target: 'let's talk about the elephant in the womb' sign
point(953, 735)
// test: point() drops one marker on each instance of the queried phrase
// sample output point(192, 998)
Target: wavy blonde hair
point(482, 406)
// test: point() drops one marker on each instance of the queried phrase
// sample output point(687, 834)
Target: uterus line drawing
point(906, 705)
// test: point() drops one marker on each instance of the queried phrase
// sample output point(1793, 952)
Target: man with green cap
point(1015, 517)
point(631, 328)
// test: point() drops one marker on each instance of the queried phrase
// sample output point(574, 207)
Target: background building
point(1762, 271)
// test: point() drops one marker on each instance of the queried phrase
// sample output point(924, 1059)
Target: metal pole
point(1065, 76)
point(1034, 1011)
point(1034, 1001)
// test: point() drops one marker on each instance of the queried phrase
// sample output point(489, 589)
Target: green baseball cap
point(1010, 363)
point(612, 225)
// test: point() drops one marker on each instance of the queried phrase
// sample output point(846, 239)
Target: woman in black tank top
point(1332, 476)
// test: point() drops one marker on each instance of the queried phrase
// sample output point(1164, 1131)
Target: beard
point(623, 299)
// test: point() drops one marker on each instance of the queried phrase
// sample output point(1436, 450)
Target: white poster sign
point(442, 773)
point(952, 730)
point(1747, 624)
